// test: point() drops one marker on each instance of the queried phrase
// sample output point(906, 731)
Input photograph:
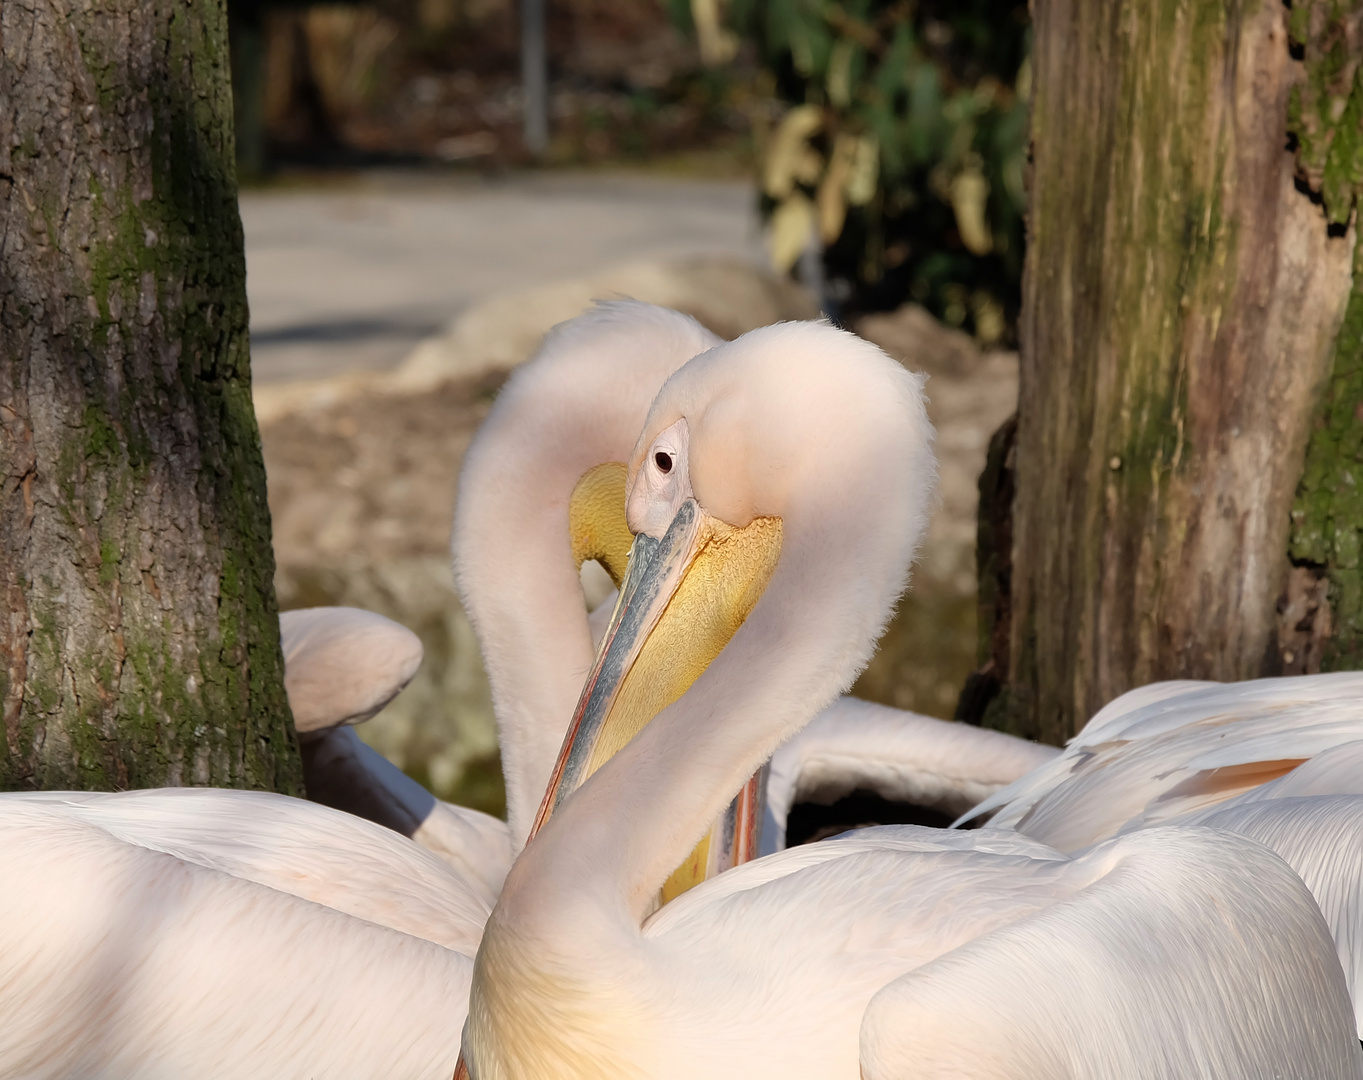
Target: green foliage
point(910, 152)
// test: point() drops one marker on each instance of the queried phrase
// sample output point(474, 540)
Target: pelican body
point(1277, 760)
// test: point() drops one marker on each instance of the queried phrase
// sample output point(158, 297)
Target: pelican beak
point(683, 597)
point(596, 520)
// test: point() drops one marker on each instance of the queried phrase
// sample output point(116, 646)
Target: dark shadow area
point(809, 822)
point(342, 330)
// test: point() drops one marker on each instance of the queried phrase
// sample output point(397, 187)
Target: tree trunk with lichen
point(139, 637)
point(1190, 261)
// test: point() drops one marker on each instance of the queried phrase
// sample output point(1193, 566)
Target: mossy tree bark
point(139, 637)
point(1182, 304)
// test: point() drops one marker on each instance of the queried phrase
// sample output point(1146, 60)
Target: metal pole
point(534, 77)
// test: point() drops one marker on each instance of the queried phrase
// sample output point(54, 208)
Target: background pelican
point(233, 934)
point(804, 454)
point(341, 666)
point(1163, 751)
point(1278, 760)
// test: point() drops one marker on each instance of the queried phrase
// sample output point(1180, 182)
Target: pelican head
point(797, 419)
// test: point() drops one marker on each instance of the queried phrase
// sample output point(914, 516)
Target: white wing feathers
point(899, 755)
point(342, 665)
point(122, 961)
point(889, 843)
point(1337, 771)
point(1321, 838)
point(1172, 952)
point(314, 853)
point(1278, 760)
point(1192, 955)
point(1172, 749)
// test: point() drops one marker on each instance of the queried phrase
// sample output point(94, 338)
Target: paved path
point(342, 279)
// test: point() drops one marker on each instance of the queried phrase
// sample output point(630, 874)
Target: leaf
point(788, 156)
point(792, 229)
point(969, 192)
point(808, 166)
point(717, 44)
point(831, 200)
point(839, 81)
point(1022, 85)
point(864, 176)
point(851, 179)
point(989, 319)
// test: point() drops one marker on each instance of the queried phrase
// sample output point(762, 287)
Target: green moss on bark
point(1325, 110)
point(1327, 516)
point(1325, 118)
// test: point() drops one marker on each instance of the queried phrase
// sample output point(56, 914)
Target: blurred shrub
point(903, 148)
point(409, 81)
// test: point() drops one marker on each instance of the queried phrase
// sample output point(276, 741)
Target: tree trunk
point(1182, 303)
point(140, 639)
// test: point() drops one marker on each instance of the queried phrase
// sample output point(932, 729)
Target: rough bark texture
point(1321, 622)
point(1181, 304)
point(139, 638)
point(994, 562)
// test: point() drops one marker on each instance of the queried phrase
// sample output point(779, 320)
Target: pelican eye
point(663, 461)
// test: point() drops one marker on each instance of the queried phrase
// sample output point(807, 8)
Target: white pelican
point(1163, 751)
point(542, 489)
point(224, 934)
point(795, 463)
point(341, 666)
point(1279, 760)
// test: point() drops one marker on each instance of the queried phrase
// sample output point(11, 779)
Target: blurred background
point(429, 185)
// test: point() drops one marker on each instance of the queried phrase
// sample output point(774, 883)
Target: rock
point(917, 340)
point(971, 392)
point(725, 294)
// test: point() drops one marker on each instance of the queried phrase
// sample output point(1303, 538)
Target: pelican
point(1170, 749)
point(777, 494)
point(237, 934)
point(1278, 760)
point(542, 491)
point(341, 666)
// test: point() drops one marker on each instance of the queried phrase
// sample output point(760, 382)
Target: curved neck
point(640, 814)
point(524, 597)
point(578, 404)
